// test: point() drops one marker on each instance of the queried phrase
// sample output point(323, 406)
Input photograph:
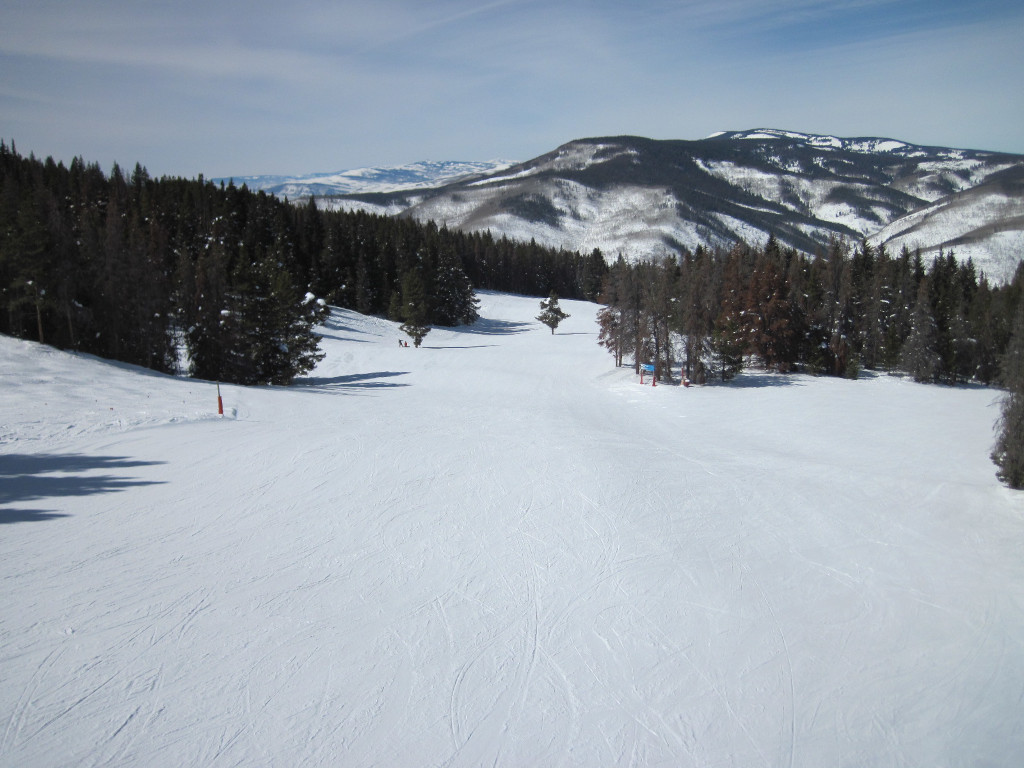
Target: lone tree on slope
point(414, 308)
point(550, 313)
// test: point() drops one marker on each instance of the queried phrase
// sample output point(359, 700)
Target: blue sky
point(238, 88)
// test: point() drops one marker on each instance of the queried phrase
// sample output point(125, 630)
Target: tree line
point(843, 310)
point(228, 284)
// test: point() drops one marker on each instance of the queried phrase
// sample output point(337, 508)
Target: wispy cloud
point(144, 40)
point(304, 85)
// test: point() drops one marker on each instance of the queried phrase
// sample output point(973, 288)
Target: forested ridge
point(225, 283)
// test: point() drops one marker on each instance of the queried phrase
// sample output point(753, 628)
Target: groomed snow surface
point(499, 550)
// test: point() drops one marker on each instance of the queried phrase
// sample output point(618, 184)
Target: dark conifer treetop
point(551, 314)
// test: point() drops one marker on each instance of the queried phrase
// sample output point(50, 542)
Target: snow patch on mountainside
point(740, 230)
point(349, 204)
point(576, 156)
point(936, 179)
point(798, 193)
point(864, 145)
point(530, 171)
point(421, 175)
point(989, 231)
point(635, 221)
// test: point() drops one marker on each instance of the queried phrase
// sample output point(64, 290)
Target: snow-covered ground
point(499, 550)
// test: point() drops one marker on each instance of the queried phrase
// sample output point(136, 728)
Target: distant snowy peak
point(397, 178)
point(866, 145)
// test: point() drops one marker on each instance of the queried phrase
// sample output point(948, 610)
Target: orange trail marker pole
point(220, 403)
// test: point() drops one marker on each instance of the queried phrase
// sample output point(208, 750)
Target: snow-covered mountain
point(370, 180)
point(645, 198)
point(984, 222)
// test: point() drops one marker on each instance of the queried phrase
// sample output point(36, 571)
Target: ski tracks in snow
point(17, 719)
point(789, 707)
point(491, 689)
point(518, 687)
point(494, 692)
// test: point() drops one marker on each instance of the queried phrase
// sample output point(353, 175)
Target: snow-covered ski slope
point(498, 550)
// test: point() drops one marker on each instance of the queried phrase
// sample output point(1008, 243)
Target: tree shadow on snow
point(759, 380)
point(8, 516)
point(483, 327)
point(332, 323)
point(335, 337)
point(31, 477)
point(487, 327)
point(456, 346)
point(353, 381)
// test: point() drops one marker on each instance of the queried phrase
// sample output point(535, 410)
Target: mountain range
point(646, 198)
point(421, 175)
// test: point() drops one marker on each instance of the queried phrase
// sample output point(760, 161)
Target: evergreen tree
point(256, 328)
point(24, 256)
point(612, 319)
point(858, 299)
point(727, 346)
point(906, 281)
point(769, 320)
point(878, 314)
point(414, 308)
point(984, 321)
point(920, 357)
point(206, 313)
point(591, 274)
point(454, 300)
point(729, 339)
point(660, 308)
point(395, 306)
point(1008, 453)
point(697, 291)
point(550, 313)
point(945, 302)
point(816, 353)
point(280, 339)
point(629, 291)
point(609, 320)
